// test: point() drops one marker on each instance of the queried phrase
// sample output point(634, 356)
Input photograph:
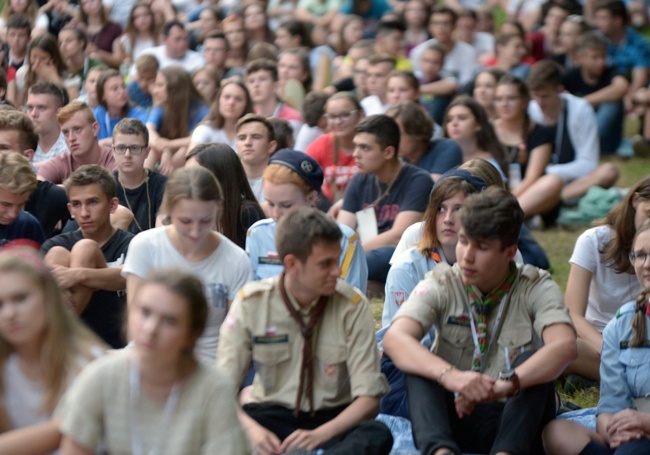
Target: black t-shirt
point(144, 201)
point(576, 85)
point(105, 312)
point(538, 135)
point(49, 204)
point(410, 192)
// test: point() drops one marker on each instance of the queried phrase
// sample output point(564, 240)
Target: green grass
point(558, 243)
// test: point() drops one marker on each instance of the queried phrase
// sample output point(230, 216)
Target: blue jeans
point(610, 126)
point(379, 263)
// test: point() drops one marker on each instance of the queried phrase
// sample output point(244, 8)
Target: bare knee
point(85, 253)
point(562, 437)
point(57, 255)
point(606, 175)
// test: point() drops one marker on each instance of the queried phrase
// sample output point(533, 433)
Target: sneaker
point(640, 146)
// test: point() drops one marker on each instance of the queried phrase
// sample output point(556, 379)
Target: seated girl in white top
point(232, 102)
point(43, 346)
point(601, 278)
point(192, 202)
point(156, 397)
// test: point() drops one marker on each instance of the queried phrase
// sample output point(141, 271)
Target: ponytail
point(639, 326)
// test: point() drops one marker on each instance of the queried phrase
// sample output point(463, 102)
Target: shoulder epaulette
point(259, 223)
point(351, 293)
point(255, 287)
point(530, 272)
point(441, 271)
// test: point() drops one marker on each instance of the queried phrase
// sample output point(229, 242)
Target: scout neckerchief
point(483, 307)
point(307, 331)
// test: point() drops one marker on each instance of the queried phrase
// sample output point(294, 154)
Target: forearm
point(550, 360)
point(33, 440)
point(180, 142)
point(444, 87)
point(106, 279)
point(389, 238)
point(411, 357)
point(588, 333)
point(608, 94)
point(360, 410)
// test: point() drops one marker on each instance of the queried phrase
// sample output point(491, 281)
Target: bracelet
point(444, 372)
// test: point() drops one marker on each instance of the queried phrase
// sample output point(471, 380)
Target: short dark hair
point(441, 9)
point(132, 126)
point(283, 133)
point(92, 174)
point(313, 107)
point(58, 93)
point(19, 121)
point(19, 21)
point(263, 64)
point(388, 26)
point(301, 229)
point(167, 26)
point(384, 128)
point(545, 73)
point(616, 8)
point(217, 34)
point(415, 122)
point(493, 214)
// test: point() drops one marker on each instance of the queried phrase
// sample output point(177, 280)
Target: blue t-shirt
point(107, 123)
point(410, 192)
point(25, 226)
point(137, 96)
point(196, 115)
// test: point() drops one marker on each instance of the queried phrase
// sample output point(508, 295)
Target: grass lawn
point(558, 243)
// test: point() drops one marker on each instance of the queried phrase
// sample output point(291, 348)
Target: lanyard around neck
point(495, 335)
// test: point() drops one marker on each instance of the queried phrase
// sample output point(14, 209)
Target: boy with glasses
point(138, 189)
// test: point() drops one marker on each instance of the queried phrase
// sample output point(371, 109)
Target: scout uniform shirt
point(263, 254)
point(346, 362)
point(440, 300)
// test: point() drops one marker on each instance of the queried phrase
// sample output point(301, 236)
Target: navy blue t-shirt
point(443, 155)
point(410, 192)
point(25, 226)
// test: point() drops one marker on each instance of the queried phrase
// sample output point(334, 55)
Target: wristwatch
point(511, 375)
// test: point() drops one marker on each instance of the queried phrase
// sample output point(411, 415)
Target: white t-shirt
point(138, 47)
point(372, 105)
point(119, 10)
point(258, 188)
point(223, 273)
point(23, 398)
point(306, 135)
point(608, 290)
point(461, 61)
point(205, 134)
point(190, 61)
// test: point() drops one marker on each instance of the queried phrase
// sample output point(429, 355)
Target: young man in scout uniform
point(503, 335)
point(310, 336)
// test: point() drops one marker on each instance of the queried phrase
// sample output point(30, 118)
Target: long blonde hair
point(66, 341)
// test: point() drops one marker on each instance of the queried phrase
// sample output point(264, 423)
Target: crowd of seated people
point(198, 199)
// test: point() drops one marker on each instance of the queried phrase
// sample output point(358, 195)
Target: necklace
point(128, 204)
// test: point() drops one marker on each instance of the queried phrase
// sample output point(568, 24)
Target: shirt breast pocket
point(456, 346)
point(518, 340)
point(270, 361)
point(330, 368)
point(636, 362)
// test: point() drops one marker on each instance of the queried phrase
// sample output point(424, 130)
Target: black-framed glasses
point(134, 149)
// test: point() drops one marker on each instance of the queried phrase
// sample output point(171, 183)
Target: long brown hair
point(181, 98)
point(445, 189)
point(639, 324)
point(621, 221)
point(214, 117)
point(132, 33)
point(67, 344)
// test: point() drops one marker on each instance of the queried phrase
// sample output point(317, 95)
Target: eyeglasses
point(343, 116)
point(134, 149)
point(638, 257)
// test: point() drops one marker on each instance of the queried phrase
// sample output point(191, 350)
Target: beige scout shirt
point(533, 303)
point(346, 363)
